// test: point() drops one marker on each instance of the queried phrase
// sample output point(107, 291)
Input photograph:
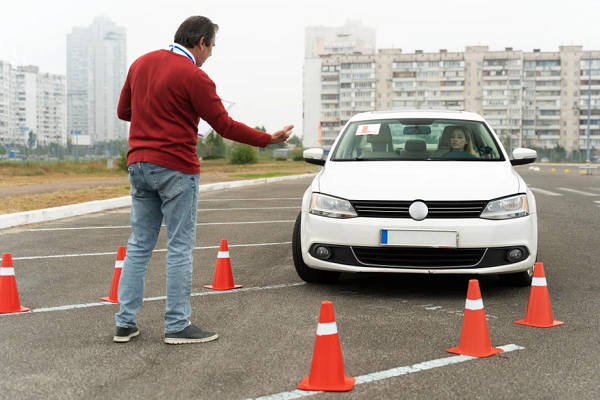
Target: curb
point(51, 214)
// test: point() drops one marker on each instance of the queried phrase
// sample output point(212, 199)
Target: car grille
point(437, 209)
point(418, 257)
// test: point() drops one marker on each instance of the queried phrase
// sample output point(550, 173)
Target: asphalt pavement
point(63, 349)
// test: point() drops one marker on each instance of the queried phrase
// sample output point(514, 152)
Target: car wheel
point(306, 273)
point(519, 279)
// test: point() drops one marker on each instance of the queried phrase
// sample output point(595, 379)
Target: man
point(164, 96)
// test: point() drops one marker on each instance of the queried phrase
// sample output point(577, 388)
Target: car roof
point(426, 114)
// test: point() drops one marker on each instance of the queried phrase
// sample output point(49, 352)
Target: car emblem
point(418, 211)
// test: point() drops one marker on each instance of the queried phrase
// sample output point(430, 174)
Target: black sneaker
point(125, 333)
point(191, 334)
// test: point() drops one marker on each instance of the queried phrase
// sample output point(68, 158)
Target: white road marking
point(390, 373)
point(546, 192)
point(220, 209)
point(155, 251)
point(598, 189)
point(129, 226)
point(596, 201)
point(578, 192)
point(105, 303)
point(256, 199)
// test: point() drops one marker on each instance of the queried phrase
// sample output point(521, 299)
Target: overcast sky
point(258, 60)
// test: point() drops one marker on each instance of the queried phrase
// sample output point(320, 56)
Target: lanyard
point(184, 52)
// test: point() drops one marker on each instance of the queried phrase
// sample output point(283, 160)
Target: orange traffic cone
point(475, 336)
point(539, 310)
point(223, 278)
point(114, 288)
point(9, 296)
point(327, 369)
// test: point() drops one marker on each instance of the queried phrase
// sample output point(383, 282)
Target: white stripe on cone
point(223, 254)
point(539, 282)
point(119, 264)
point(7, 271)
point(474, 304)
point(327, 329)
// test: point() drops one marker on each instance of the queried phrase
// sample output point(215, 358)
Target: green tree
point(122, 161)
point(244, 154)
point(295, 141)
point(215, 143)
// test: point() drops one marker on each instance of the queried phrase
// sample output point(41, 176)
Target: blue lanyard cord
point(183, 51)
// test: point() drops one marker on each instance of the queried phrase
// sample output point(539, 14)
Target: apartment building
point(535, 99)
point(31, 101)
point(7, 117)
point(320, 43)
point(96, 71)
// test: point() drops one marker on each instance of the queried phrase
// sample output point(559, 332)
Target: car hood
point(424, 180)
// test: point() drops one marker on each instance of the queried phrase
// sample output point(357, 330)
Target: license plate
point(418, 238)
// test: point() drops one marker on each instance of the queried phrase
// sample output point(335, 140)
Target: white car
point(428, 192)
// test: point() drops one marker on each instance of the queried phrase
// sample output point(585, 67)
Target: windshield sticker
point(368, 129)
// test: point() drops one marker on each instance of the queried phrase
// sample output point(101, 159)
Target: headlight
point(510, 207)
point(333, 207)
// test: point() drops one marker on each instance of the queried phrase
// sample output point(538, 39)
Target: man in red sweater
point(164, 97)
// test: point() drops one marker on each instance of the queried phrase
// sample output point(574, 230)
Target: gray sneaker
point(125, 333)
point(191, 334)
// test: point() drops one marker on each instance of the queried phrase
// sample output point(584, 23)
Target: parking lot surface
point(63, 348)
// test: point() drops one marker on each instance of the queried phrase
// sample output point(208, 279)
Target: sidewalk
point(25, 190)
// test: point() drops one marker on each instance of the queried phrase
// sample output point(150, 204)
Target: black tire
point(518, 279)
point(306, 273)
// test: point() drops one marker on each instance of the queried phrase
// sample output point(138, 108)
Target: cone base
point(348, 385)
point(220, 288)
point(483, 354)
point(22, 309)
point(109, 300)
point(554, 323)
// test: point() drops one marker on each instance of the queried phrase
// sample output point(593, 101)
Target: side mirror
point(523, 156)
point(314, 156)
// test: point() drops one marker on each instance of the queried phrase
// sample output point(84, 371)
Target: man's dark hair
point(195, 28)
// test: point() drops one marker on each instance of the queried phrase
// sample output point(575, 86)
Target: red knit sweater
point(164, 97)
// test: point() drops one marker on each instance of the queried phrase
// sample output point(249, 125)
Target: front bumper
point(482, 245)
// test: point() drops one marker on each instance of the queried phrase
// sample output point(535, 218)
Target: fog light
point(322, 252)
point(514, 255)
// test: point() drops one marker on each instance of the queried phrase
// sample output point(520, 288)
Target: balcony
point(494, 67)
point(496, 78)
point(547, 78)
point(546, 127)
point(452, 88)
point(495, 106)
point(548, 68)
point(499, 87)
point(549, 137)
point(548, 117)
point(330, 90)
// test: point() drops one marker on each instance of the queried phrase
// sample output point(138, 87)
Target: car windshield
point(417, 140)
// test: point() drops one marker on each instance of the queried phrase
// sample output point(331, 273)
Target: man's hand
point(281, 135)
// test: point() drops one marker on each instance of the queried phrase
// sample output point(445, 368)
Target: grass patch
point(61, 198)
point(263, 175)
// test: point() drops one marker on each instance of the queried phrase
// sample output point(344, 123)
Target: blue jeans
point(158, 192)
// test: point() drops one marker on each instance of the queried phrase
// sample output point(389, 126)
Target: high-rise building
point(7, 117)
point(352, 38)
point(96, 71)
point(535, 99)
point(32, 103)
